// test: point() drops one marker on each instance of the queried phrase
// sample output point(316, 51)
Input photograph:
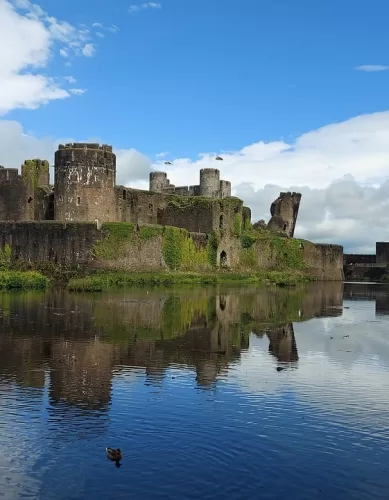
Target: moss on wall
point(184, 203)
point(180, 252)
point(237, 224)
point(284, 253)
point(32, 169)
point(246, 217)
point(171, 247)
point(148, 232)
point(116, 235)
point(212, 248)
point(5, 257)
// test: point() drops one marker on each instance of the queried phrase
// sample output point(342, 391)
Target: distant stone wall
point(211, 186)
point(349, 258)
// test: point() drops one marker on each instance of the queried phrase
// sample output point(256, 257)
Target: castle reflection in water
point(73, 346)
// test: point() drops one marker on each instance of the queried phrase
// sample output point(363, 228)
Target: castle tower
point(13, 195)
point(158, 182)
point(84, 186)
point(210, 182)
point(36, 177)
point(284, 211)
point(36, 173)
point(225, 189)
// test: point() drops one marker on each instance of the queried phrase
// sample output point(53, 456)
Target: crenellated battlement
point(86, 145)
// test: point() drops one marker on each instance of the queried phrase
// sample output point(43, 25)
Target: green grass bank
point(99, 282)
point(23, 280)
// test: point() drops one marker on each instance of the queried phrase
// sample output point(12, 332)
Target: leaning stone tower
point(284, 211)
point(84, 186)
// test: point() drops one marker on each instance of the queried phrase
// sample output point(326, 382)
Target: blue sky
point(205, 75)
point(292, 93)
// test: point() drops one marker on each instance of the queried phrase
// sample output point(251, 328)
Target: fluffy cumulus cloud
point(340, 169)
point(29, 39)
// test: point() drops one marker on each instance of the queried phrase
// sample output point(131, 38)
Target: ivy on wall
point(116, 236)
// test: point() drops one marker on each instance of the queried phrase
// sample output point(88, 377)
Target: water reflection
point(186, 379)
point(78, 342)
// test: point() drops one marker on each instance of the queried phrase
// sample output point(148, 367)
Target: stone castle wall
point(195, 214)
point(73, 244)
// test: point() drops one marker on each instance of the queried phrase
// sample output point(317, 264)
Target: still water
point(216, 393)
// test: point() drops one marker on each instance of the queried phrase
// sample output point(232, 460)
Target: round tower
point(210, 182)
point(158, 181)
point(84, 184)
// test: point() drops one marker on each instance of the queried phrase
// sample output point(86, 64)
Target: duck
point(114, 454)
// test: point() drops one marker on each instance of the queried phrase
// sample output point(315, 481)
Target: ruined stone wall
point(325, 262)
point(13, 195)
point(193, 213)
point(36, 177)
point(66, 244)
point(144, 248)
point(139, 207)
point(84, 186)
point(284, 212)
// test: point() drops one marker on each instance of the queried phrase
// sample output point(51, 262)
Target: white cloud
point(88, 50)
point(99, 34)
point(97, 25)
point(340, 169)
point(70, 79)
point(370, 68)
point(324, 366)
point(29, 39)
point(162, 155)
point(77, 91)
point(147, 5)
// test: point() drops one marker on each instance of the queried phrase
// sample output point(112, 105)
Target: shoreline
point(100, 280)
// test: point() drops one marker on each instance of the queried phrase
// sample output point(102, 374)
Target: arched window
point(223, 259)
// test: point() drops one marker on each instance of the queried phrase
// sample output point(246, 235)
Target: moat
point(210, 392)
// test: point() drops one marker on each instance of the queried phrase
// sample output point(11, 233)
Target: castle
point(85, 190)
